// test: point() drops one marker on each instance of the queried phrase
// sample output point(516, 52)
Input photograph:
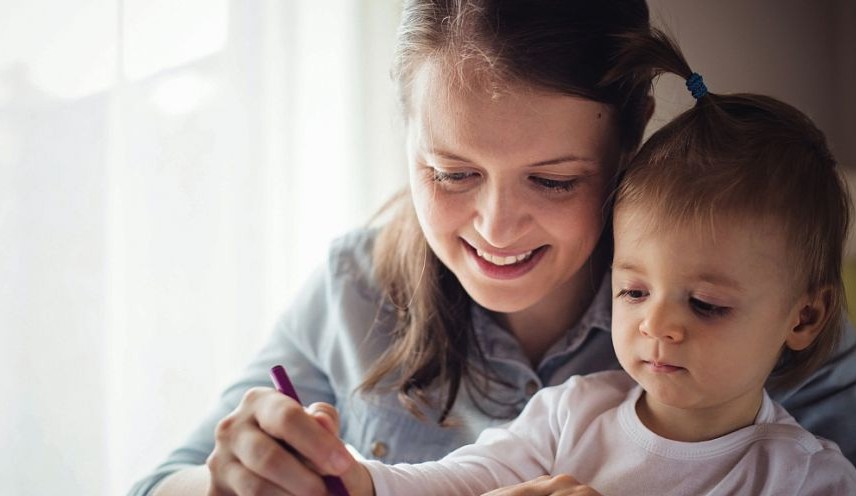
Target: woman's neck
point(540, 326)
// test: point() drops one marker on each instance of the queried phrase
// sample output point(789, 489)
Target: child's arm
point(503, 456)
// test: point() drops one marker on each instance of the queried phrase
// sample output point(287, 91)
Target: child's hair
point(739, 156)
point(561, 46)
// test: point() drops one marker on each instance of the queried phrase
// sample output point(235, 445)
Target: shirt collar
point(496, 341)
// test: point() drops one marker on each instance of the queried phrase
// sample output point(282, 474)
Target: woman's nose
point(663, 321)
point(502, 218)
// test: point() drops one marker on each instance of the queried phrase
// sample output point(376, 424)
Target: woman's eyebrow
point(448, 155)
point(553, 161)
point(563, 159)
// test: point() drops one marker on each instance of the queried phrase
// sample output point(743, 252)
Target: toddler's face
point(509, 189)
point(700, 317)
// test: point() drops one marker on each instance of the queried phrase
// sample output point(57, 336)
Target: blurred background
point(171, 171)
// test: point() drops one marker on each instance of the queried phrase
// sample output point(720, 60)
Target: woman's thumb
point(326, 415)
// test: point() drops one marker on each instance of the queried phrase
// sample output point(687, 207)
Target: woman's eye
point(451, 177)
point(706, 309)
point(632, 294)
point(555, 185)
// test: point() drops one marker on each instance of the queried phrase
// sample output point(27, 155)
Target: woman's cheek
point(439, 213)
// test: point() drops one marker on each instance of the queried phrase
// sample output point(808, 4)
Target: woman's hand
point(357, 479)
point(559, 485)
point(250, 454)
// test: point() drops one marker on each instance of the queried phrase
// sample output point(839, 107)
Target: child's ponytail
point(647, 54)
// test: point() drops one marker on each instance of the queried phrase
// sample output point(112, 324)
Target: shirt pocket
point(380, 428)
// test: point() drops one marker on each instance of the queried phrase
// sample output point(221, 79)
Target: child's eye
point(554, 185)
point(631, 294)
point(706, 309)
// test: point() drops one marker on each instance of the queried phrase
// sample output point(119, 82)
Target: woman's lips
point(506, 272)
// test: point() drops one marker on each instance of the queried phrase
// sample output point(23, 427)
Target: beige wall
point(800, 51)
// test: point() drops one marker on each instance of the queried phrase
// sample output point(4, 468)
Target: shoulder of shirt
point(784, 427)
point(790, 443)
point(582, 398)
point(350, 261)
point(609, 385)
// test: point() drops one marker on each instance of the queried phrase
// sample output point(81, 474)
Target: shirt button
point(379, 449)
point(531, 388)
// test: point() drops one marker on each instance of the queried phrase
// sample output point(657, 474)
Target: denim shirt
point(338, 326)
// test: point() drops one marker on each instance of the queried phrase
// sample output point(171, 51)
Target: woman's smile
point(505, 267)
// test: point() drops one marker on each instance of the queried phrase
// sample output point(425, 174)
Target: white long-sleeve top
point(588, 428)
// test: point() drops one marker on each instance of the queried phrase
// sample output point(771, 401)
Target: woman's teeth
point(498, 260)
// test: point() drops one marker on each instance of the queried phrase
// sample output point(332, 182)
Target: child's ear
point(812, 318)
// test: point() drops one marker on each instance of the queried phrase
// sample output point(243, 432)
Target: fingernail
point(340, 461)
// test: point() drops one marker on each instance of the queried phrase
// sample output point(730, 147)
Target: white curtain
point(170, 172)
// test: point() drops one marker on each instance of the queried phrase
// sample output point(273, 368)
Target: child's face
point(521, 177)
point(700, 320)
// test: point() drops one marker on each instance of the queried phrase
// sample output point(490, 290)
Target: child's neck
point(697, 424)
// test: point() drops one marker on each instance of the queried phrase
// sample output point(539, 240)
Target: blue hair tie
point(696, 85)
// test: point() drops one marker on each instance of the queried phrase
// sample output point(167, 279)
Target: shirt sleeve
point(312, 340)
point(828, 473)
point(824, 405)
point(519, 451)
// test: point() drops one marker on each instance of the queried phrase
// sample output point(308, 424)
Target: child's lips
point(662, 367)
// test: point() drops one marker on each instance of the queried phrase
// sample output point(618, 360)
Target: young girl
point(729, 230)
point(489, 279)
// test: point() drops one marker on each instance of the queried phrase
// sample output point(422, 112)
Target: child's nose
point(663, 321)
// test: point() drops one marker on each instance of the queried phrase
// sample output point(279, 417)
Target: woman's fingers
point(283, 418)
point(270, 445)
point(534, 487)
point(265, 457)
point(235, 479)
point(326, 415)
point(546, 485)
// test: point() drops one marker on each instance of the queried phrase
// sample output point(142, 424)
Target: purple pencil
point(283, 384)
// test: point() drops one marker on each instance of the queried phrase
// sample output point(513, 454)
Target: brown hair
point(746, 155)
point(562, 46)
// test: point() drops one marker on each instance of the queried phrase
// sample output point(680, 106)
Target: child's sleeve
point(516, 452)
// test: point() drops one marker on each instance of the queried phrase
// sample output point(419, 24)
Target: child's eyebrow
point(625, 265)
point(718, 279)
point(714, 278)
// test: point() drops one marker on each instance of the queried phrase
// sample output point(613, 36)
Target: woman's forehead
point(519, 118)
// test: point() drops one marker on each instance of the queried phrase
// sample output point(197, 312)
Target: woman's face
point(509, 189)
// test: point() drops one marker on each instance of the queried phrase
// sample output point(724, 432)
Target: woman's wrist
point(189, 481)
point(359, 480)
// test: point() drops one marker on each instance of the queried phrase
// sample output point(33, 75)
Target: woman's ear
point(649, 108)
point(812, 318)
